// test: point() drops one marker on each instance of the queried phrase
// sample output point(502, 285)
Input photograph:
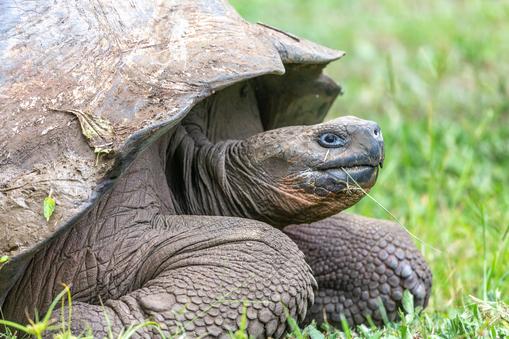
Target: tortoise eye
point(331, 140)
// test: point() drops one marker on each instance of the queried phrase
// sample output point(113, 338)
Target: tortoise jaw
point(354, 170)
point(340, 180)
point(361, 176)
point(376, 159)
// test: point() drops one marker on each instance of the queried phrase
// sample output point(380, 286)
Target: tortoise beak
point(382, 149)
point(376, 151)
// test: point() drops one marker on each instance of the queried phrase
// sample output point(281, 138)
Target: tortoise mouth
point(354, 162)
point(341, 179)
point(363, 176)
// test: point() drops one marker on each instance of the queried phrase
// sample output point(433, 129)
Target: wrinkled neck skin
point(219, 179)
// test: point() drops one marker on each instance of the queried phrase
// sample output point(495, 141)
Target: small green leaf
point(314, 333)
point(4, 259)
point(296, 332)
point(345, 326)
point(241, 333)
point(49, 207)
point(408, 302)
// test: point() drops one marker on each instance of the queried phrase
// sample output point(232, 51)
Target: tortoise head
point(306, 173)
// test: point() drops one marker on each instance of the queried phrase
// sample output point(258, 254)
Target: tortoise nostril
point(376, 131)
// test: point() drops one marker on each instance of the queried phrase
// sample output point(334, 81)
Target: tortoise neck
point(214, 178)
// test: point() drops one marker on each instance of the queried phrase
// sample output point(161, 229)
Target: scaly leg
point(358, 261)
point(191, 274)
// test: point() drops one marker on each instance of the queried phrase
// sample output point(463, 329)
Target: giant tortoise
point(191, 172)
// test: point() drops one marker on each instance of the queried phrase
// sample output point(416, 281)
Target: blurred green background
point(434, 74)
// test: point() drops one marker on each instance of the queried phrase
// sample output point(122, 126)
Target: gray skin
point(146, 250)
point(359, 262)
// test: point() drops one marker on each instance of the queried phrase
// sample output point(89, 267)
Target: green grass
point(479, 318)
point(434, 75)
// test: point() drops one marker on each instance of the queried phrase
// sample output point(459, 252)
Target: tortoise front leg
point(197, 275)
point(358, 262)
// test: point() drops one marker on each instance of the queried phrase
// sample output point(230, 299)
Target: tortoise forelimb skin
point(196, 277)
point(359, 262)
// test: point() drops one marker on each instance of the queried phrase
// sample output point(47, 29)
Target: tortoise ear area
point(276, 167)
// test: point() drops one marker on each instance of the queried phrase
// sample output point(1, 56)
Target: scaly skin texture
point(198, 273)
point(358, 262)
